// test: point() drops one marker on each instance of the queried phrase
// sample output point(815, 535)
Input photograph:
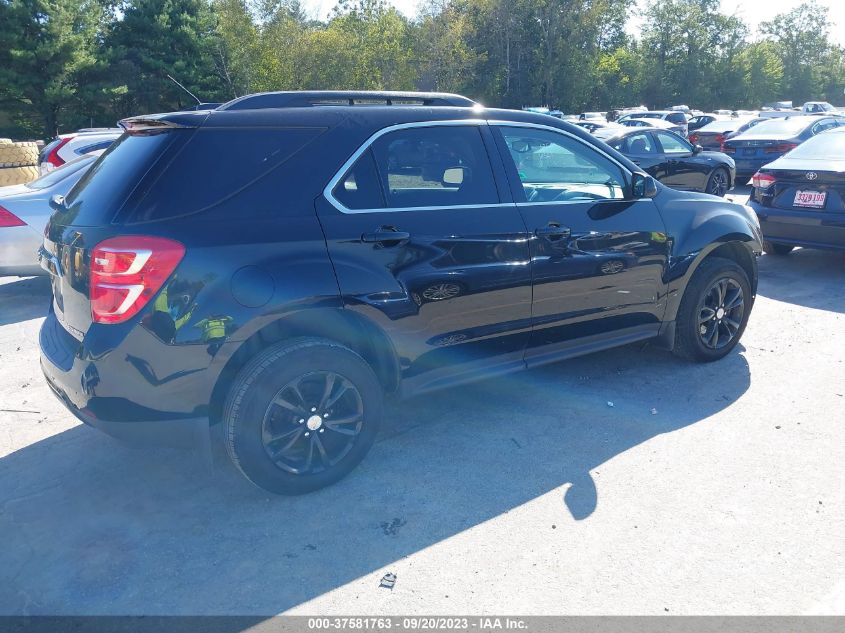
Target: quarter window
point(359, 188)
point(553, 167)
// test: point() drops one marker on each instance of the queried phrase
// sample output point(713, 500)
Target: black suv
point(267, 271)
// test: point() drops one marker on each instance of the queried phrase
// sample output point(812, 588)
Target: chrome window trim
point(329, 188)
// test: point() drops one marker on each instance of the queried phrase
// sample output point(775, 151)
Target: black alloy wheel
point(717, 184)
point(312, 422)
point(301, 415)
point(721, 313)
point(713, 311)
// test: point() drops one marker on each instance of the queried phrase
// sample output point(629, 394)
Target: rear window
point(102, 191)
point(827, 146)
point(144, 178)
point(782, 128)
point(212, 167)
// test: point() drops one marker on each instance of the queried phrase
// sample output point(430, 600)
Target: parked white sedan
point(24, 211)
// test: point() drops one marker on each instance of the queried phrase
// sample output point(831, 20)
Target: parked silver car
point(24, 211)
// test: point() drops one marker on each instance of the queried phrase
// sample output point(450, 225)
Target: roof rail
point(304, 99)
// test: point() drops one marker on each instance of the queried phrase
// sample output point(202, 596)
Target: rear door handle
point(385, 234)
point(553, 231)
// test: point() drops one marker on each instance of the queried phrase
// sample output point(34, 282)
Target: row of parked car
point(350, 245)
point(723, 149)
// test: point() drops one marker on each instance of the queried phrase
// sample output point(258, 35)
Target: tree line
point(66, 64)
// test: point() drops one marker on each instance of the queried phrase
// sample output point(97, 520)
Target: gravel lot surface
point(703, 489)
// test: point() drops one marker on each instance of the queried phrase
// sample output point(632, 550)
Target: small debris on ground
point(653, 411)
point(391, 528)
point(609, 403)
point(387, 581)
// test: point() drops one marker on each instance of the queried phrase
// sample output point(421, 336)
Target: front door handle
point(553, 231)
point(386, 234)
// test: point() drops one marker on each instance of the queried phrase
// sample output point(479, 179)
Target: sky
point(751, 11)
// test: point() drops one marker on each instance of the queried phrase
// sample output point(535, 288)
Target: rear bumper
point(749, 166)
point(98, 392)
point(813, 229)
point(18, 251)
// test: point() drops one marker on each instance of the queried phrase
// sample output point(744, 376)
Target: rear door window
point(438, 166)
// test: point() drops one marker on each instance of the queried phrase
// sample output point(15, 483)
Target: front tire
point(718, 183)
point(777, 249)
point(713, 312)
point(301, 415)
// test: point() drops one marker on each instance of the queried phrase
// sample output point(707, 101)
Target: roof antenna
point(185, 89)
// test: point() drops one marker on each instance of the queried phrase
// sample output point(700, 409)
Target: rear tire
point(713, 312)
point(308, 428)
point(777, 249)
point(718, 183)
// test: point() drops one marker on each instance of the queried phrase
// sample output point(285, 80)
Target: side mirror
point(454, 176)
point(643, 186)
point(697, 149)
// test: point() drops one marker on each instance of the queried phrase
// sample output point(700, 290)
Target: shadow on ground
point(24, 299)
point(786, 278)
point(90, 526)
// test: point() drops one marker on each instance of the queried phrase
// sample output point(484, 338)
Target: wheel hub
point(720, 313)
point(314, 422)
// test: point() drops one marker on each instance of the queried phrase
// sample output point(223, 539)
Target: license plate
point(812, 199)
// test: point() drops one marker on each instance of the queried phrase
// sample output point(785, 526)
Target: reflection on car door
point(597, 255)
point(684, 169)
point(426, 245)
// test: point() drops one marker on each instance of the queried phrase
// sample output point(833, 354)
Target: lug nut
point(307, 434)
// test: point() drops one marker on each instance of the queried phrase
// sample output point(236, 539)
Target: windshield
point(826, 146)
point(649, 115)
point(57, 175)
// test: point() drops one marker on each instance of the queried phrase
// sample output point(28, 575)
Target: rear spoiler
point(155, 123)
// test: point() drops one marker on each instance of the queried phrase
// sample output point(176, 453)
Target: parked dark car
point(700, 120)
point(712, 135)
point(674, 161)
point(273, 307)
point(800, 197)
point(772, 139)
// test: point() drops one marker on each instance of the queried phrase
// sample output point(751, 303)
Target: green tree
point(160, 37)
point(45, 47)
point(801, 37)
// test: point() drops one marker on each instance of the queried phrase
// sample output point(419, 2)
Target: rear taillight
point(7, 219)
point(53, 157)
point(781, 148)
point(720, 139)
point(762, 181)
point(693, 138)
point(126, 272)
